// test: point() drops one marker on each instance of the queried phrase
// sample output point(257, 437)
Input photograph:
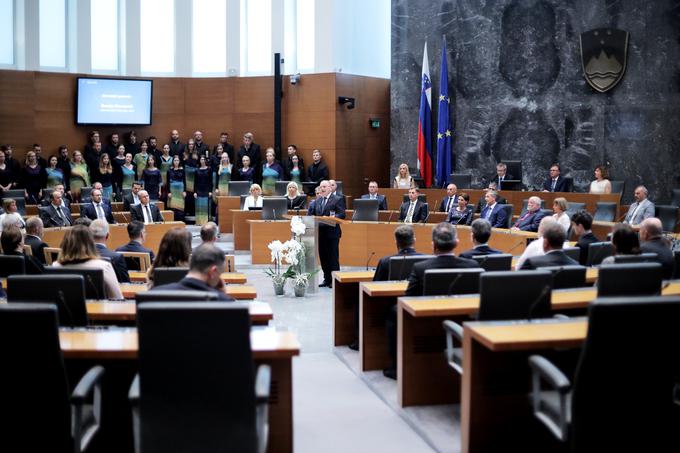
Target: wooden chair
point(51, 254)
point(143, 259)
point(230, 263)
point(28, 251)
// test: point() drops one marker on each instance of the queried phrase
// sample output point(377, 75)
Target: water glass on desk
point(332, 213)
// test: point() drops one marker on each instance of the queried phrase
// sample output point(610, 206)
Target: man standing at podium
point(329, 235)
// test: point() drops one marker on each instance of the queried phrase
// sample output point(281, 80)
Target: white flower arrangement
point(297, 226)
point(291, 252)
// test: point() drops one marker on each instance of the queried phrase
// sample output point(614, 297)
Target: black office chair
point(40, 410)
point(598, 251)
point(567, 276)
point(438, 282)
point(621, 398)
point(66, 291)
point(639, 258)
point(47, 193)
point(242, 201)
point(167, 275)
point(94, 279)
point(86, 193)
point(237, 188)
point(525, 206)
point(547, 212)
point(274, 208)
point(605, 211)
point(618, 186)
point(461, 180)
point(175, 296)
point(308, 188)
point(339, 190)
point(197, 384)
point(514, 168)
point(421, 197)
point(508, 208)
point(569, 184)
point(503, 296)
point(676, 268)
point(281, 188)
point(494, 262)
point(668, 215)
point(675, 200)
point(365, 210)
point(12, 265)
point(12, 193)
point(635, 279)
point(400, 266)
point(573, 252)
point(574, 207)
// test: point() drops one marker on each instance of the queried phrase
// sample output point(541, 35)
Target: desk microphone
point(532, 307)
point(122, 213)
point(369, 259)
point(523, 241)
point(428, 211)
point(390, 217)
point(90, 282)
point(449, 290)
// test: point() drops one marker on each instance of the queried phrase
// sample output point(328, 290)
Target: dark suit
point(46, 202)
point(552, 258)
point(311, 209)
point(481, 204)
point(530, 221)
point(663, 252)
point(419, 212)
point(317, 172)
point(37, 247)
point(117, 261)
point(583, 243)
point(445, 201)
point(297, 202)
point(560, 185)
point(382, 201)
point(128, 200)
point(176, 149)
point(498, 216)
point(192, 284)
point(253, 152)
point(89, 211)
point(329, 236)
point(227, 148)
point(51, 218)
point(483, 249)
point(497, 180)
point(136, 213)
point(134, 246)
point(382, 272)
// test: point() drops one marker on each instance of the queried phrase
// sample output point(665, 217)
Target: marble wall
point(515, 71)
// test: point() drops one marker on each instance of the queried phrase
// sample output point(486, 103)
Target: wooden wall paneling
point(254, 94)
point(17, 125)
point(209, 95)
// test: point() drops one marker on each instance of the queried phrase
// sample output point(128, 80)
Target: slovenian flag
point(425, 124)
point(444, 130)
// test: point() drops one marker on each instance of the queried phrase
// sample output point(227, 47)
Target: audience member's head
point(501, 169)
point(209, 232)
point(207, 264)
point(77, 246)
point(373, 187)
point(545, 221)
point(136, 187)
point(451, 190)
point(143, 197)
point(491, 197)
point(625, 240)
point(247, 139)
point(316, 156)
point(174, 249)
point(12, 219)
point(83, 221)
point(292, 189)
point(135, 230)
point(533, 204)
point(404, 236)
point(9, 205)
point(255, 190)
point(640, 193)
point(560, 205)
point(34, 226)
point(583, 222)
point(481, 231)
point(444, 238)
point(11, 239)
point(292, 150)
point(413, 193)
point(100, 230)
point(553, 236)
point(651, 228)
point(55, 197)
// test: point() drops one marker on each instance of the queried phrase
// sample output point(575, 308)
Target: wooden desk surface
point(517, 336)
point(239, 292)
point(353, 276)
point(384, 289)
point(122, 344)
point(127, 311)
point(228, 277)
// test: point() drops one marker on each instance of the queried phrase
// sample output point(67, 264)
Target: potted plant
point(278, 252)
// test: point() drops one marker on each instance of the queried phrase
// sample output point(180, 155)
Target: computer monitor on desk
point(400, 266)
point(365, 210)
point(94, 279)
point(274, 208)
point(511, 184)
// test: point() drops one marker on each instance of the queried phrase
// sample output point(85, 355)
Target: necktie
point(488, 212)
point(554, 183)
point(64, 220)
point(409, 214)
point(632, 216)
point(448, 204)
point(149, 219)
point(100, 211)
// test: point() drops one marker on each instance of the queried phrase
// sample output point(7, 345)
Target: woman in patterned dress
point(140, 159)
point(176, 192)
point(55, 175)
point(80, 176)
point(203, 191)
point(271, 172)
point(151, 176)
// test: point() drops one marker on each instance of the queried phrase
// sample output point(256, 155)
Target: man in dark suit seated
point(97, 186)
point(145, 211)
point(97, 209)
point(444, 241)
point(501, 175)
point(652, 241)
point(583, 223)
point(530, 220)
point(493, 212)
point(329, 235)
point(64, 200)
point(555, 182)
point(553, 239)
point(482, 201)
point(450, 201)
point(137, 235)
point(132, 199)
point(100, 232)
point(55, 214)
point(374, 195)
point(311, 210)
point(34, 233)
point(205, 273)
point(12, 244)
point(414, 210)
point(480, 233)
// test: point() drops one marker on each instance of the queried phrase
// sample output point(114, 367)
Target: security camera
point(294, 79)
point(351, 102)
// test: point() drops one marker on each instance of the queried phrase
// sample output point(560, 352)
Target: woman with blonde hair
point(403, 180)
point(254, 200)
point(80, 176)
point(104, 175)
point(79, 251)
point(173, 251)
point(559, 208)
point(294, 198)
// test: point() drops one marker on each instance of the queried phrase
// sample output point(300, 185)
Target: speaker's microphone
point(369, 259)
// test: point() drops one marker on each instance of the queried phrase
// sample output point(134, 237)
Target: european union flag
point(444, 129)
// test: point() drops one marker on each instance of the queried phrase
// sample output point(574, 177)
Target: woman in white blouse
point(254, 200)
point(403, 180)
point(601, 183)
point(560, 207)
point(78, 251)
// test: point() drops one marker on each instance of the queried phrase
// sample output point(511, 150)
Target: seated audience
point(462, 214)
point(65, 203)
point(173, 251)
point(601, 184)
point(12, 243)
point(137, 234)
point(535, 248)
point(97, 209)
point(480, 233)
point(145, 211)
point(501, 175)
point(205, 273)
point(482, 201)
point(374, 195)
point(209, 233)
point(583, 223)
point(625, 241)
point(132, 199)
point(100, 233)
point(34, 234)
point(640, 210)
point(84, 221)
point(9, 205)
point(55, 214)
point(553, 238)
point(405, 239)
point(493, 212)
point(294, 198)
point(560, 214)
point(555, 182)
point(403, 180)
point(652, 241)
point(530, 220)
point(79, 251)
point(254, 200)
point(413, 210)
point(450, 201)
